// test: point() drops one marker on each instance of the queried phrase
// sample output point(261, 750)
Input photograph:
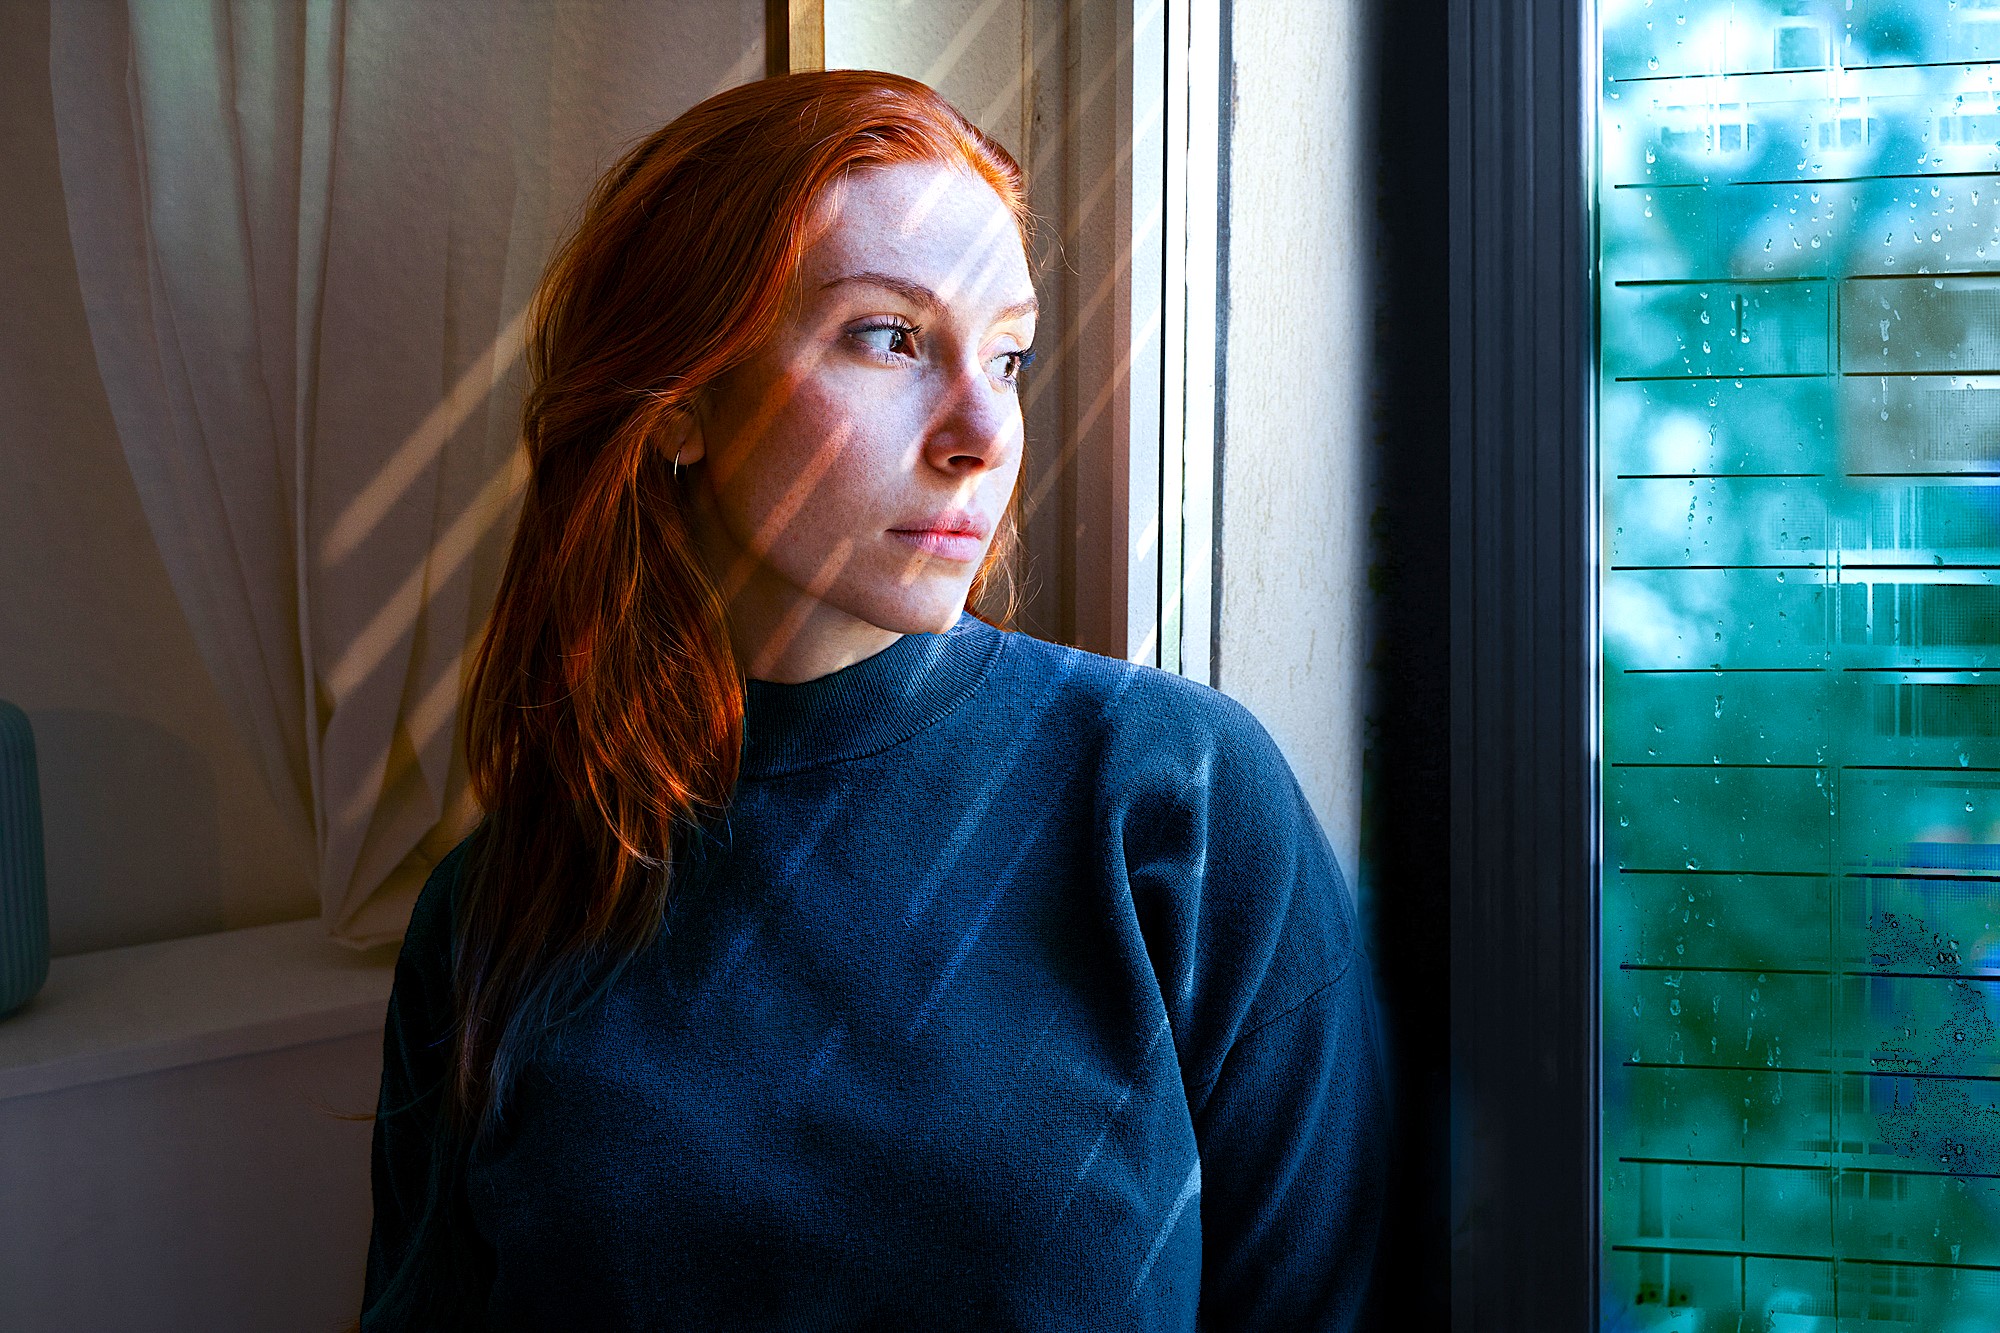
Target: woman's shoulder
point(1134, 711)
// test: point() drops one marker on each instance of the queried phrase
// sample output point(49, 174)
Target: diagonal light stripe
point(973, 820)
point(417, 452)
point(1124, 1095)
point(948, 58)
point(400, 611)
point(1190, 1188)
point(971, 936)
point(785, 511)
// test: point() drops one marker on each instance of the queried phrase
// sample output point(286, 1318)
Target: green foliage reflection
point(1798, 214)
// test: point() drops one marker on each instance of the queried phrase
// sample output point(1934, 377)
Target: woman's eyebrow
point(918, 294)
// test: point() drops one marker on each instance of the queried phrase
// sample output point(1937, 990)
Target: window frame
point(1524, 688)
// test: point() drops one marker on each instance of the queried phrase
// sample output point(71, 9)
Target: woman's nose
point(975, 423)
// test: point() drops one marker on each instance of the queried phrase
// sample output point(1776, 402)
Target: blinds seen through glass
point(1798, 425)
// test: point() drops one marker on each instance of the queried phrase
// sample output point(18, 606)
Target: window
point(1798, 460)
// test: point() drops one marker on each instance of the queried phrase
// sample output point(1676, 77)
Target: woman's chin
point(924, 606)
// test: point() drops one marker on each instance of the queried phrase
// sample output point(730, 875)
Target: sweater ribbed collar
point(867, 706)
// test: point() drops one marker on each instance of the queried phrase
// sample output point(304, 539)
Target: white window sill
point(148, 1007)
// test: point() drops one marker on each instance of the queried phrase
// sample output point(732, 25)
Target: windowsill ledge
point(121, 1012)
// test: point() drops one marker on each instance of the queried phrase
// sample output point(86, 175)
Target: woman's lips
point(945, 545)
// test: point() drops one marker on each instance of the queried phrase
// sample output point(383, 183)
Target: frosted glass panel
point(1798, 424)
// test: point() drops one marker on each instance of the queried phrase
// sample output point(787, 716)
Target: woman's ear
point(682, 438)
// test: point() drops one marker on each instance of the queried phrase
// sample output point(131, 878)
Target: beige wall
point(969, 50)
point(156, 820)
point(1294, 491)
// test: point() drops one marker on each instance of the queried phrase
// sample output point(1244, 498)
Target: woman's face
point(853, 471)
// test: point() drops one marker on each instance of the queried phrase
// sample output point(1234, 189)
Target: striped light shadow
point(919, 561)
point(1113, 385)
point(1039, 57)
point(1049, 159)
point(978, 926)
point(755, 430)
point(803, 850)
point(1106, 285)
point(1189, 1188)
point(438, 704)
point(974, 818)
point(926, 201)
point(794, 622)
point(831, 1043)
point(368, 649)
point(787, 509)
point(433, 711)
point(1105, 180)
point(979, 257)
point(1142, 545)
point(1145, 648)
point(714, 982)
point(983, 252)
point(955, 50)
point(1125, 1093)
point(1053, 147)
point(417, 452)
point(1198, 877)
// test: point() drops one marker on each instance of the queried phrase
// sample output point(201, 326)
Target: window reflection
point(1798, 217)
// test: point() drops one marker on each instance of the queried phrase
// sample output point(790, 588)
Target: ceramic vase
point(24, 901)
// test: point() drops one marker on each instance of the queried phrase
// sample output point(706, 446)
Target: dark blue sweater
point(1020, 990)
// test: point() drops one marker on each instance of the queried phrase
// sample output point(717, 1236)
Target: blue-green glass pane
point(1798, 425)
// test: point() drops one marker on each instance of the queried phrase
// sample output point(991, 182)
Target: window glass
point(1798, 422)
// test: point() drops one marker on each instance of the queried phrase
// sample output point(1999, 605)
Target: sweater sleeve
point(1291, 1148)
point(1252, 936)
point(409, 1168)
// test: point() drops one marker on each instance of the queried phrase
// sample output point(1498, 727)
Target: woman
point(830, 957)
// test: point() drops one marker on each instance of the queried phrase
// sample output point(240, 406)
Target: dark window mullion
point(1524, 918)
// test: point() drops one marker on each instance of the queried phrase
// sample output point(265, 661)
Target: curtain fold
point(306, 234)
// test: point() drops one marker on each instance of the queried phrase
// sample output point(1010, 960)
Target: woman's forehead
point(938, 227)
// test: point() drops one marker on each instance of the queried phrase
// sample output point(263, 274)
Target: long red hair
point(604, 710)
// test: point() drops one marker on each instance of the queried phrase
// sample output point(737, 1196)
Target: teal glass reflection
point(1798, 425)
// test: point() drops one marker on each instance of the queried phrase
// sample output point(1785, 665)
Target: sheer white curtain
point(305, 233)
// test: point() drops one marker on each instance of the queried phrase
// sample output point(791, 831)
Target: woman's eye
point(1009, 365)
point(886, 339)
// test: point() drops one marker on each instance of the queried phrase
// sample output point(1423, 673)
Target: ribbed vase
point(24, 899)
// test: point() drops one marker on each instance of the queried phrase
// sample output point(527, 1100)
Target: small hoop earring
point(677, 465)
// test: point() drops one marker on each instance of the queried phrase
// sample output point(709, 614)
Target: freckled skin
point(799, 462)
